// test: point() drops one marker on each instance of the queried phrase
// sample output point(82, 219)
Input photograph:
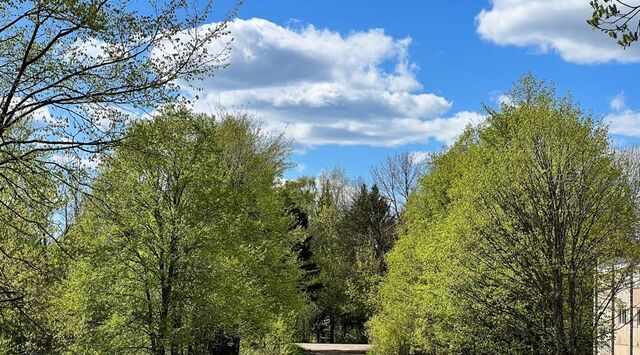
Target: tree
point(630, 158)
point(368, 223)
point(414, 304)
point(520, 220)
point(350, 241)
point(300, 201)
point(28, 263)
point(328, 252)
point(28, 267)
point(368, 231)
point(82, 60)
point(397, 176)
point(558, 209)
point(300, 198)
point(184, 246)
point(616, 18)
point(74, 72)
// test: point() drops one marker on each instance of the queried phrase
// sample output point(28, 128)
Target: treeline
point(188, 241)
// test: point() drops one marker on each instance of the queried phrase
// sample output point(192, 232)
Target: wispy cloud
point(619, 102)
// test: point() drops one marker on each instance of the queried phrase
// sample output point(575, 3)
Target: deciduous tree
point(397, 176)
point(618, 19)
point(72, 75)
point(185, 245)
point(509, 233)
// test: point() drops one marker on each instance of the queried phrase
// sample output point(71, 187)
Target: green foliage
point(74, 73)
point(68, 70)
point(29, 257)
point(414, 302)
point(351, 237)
point(617, 19)
point(184, 244)
point(505, 234)
point(345, 233)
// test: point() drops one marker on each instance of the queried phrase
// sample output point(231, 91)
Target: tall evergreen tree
point(369, 223)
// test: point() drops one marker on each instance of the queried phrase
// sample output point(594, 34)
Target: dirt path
point(334, 349)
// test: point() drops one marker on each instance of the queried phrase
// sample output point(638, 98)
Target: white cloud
point(324, 87)
point(551, 26)
point(624, 123)
point(392, 132)
point(90, 162)
point(501, 98)
point(619, 102)
point(418, 157)
point(623, 120)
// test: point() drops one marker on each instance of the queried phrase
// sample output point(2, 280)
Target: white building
point(622, 319)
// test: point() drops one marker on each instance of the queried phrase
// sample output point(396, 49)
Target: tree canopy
point(183, 246)
point(75, 72)
point(506, 234)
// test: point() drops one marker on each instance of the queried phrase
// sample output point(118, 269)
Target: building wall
point(623, 326)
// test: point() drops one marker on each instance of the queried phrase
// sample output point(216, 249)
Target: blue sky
point(353, 80)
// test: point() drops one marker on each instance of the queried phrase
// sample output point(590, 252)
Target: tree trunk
point(175, 347)
point(153, 337)
point(344, 329)
point(236, 345)
point(558, 312)
point(573, 316)
point(631, 314)
point(595, 311)
point(331, 329)
point(613, 309)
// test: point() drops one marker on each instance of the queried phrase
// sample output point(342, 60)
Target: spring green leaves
point(505, 235)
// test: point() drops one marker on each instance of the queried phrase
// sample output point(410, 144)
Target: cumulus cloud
point(324, 87)
point(551, 26)
point(624, 123)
